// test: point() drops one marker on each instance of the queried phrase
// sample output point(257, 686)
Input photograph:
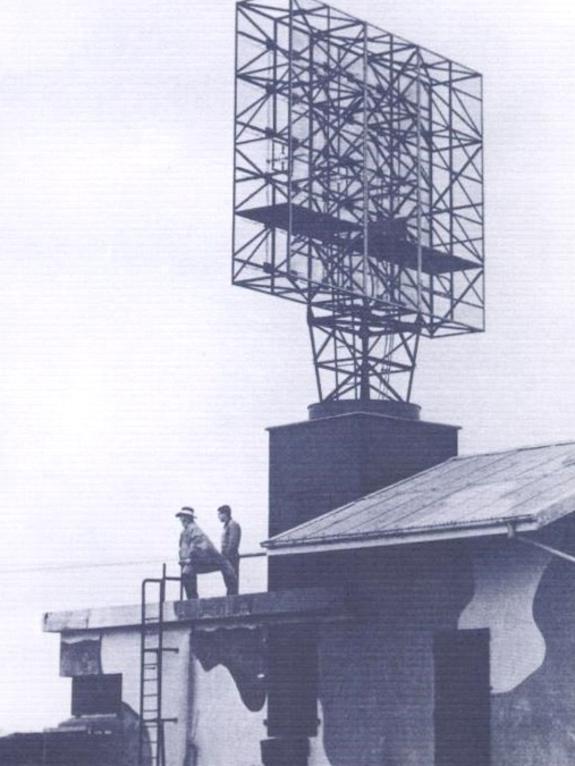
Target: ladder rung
point(157, 649)
point(157, 721)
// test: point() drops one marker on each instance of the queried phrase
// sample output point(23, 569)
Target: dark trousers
point(190, 583)
point(231, 576)
point(230, 572)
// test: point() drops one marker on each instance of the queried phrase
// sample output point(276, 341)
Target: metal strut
point(151, 741)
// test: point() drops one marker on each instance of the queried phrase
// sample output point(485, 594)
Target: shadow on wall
point(535, 723)
point(376, 674)
point(241, 651)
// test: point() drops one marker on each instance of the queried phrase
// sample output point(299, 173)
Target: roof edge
point(245, 608)
point(362, 413)
point(523, 448)
point(417, 535)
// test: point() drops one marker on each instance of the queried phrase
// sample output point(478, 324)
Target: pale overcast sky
point(133, 377)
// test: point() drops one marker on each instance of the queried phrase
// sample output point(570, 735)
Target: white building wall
point(121, 654)
point(223, 730)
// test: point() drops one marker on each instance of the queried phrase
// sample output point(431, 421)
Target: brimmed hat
point(186, 513)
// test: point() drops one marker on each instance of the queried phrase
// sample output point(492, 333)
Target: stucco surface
point(506, 578)
point(242, 652)
point(222, 728)
point(317, 754)
point(534, 725)
point(376, 674)
point(121, 654)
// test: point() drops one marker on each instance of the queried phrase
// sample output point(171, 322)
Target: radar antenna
point(358, 189)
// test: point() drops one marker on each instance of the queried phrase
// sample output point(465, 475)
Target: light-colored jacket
point(198, 554)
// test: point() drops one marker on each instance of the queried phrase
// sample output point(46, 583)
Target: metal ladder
point(151, 743)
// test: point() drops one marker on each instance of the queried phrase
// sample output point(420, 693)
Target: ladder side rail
point(160, 754)
point(142, 724)
point(147, 723)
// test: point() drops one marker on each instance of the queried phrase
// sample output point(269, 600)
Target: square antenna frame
point(358, 178)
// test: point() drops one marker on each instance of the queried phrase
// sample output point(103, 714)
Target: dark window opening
point(462, 698)
point(97, 695)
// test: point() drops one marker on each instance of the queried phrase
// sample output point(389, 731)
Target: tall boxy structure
point(359, 193)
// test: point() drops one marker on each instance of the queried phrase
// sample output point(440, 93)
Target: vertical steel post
point(430, 195)
point(451, 181)
point(364, 391)
point(413, 363)
point(235, 123)
point(482, 203)
point(290, 139)
point(365, 163)
point(419, 183)
point(310, 162)
point(273, 151)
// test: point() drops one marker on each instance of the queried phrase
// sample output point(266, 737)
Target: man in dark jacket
point(230, 549)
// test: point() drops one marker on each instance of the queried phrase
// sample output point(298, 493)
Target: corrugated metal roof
point(470, 495)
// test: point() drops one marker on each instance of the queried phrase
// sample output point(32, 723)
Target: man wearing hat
point(198, 555)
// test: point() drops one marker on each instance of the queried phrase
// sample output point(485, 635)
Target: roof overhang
point(406, 537)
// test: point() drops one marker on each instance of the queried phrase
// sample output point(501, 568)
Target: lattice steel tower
point(358, 189)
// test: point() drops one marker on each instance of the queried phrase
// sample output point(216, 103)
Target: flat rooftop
point(272, 606)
